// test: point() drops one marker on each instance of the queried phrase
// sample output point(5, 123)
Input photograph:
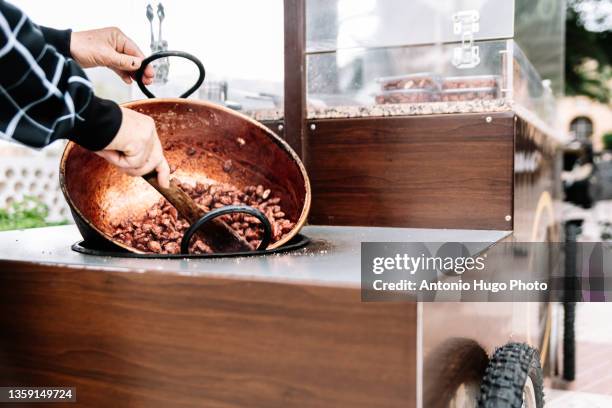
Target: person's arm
point(45, 96)
point(59, 39)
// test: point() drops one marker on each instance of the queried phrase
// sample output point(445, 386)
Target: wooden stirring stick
point(219, 236)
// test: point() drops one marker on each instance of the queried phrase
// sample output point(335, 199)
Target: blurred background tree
point(588, 61)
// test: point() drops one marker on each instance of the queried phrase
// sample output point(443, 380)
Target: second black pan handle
point(163, 54)
point(229, 209)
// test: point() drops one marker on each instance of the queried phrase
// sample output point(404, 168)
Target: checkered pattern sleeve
point(44, 94)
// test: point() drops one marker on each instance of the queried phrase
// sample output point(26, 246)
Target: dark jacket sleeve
point(59, 39)
point(44, 94)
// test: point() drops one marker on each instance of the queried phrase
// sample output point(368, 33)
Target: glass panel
point(528, 88)
point(338, 24)
point(364, 53)
point(414, 74)
point(540, 32)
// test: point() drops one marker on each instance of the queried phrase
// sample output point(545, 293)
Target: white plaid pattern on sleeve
point(42, 93)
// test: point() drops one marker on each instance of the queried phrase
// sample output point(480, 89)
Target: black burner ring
point(297, 242)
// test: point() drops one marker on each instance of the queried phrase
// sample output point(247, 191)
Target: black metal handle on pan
point(163, 54)
point(229, 209)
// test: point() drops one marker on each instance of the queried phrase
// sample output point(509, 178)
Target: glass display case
point(362, 57)
point(393, 57)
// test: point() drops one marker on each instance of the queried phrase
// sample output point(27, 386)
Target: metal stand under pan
point(297, 242)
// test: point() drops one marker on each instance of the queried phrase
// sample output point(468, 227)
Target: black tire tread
point(506, 375)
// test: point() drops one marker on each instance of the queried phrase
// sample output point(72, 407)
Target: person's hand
point(136, 149)
point(109, 47)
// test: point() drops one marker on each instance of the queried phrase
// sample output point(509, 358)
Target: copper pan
point(198, 138)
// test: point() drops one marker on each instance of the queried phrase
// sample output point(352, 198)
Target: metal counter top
point(332, 258)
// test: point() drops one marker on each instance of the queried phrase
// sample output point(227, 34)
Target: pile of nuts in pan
point(161, 229)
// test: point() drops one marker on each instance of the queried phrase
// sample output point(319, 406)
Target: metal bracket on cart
point(465, 24)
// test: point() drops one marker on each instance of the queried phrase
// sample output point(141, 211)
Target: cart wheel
point(452, 374)
point(569, 341)
point(513, 379)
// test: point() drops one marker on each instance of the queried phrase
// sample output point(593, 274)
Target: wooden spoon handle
point(177, 197)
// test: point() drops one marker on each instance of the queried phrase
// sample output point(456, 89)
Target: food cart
point(417, 121)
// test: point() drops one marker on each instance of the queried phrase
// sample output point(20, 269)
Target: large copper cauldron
point(198, 138)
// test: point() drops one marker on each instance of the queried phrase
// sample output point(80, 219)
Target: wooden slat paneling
point(160, 340)
point(437, 171)
point(537, 178)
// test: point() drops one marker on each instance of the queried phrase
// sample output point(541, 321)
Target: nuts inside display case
point(424, 80)
point(468, 94)
point(406, 96)
point(427, 87)
point(471, 81)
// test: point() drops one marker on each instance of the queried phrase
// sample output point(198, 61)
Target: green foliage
point(607, 141)
point(29, 213)
point(588, 44)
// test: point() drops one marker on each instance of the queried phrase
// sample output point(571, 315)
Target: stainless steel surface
point(332, 258)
